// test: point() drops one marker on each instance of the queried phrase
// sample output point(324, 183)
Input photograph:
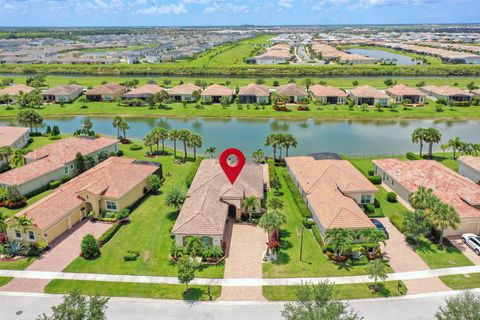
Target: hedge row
point(107, 235)
point(413, 156)
point(192, 172)
point(318, 236)
point(304, 210)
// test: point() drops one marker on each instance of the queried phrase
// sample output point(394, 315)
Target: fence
point(361, 156)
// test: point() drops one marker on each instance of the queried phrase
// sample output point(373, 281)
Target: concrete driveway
point(63, 251)
point(402, 258)
point(469, 253)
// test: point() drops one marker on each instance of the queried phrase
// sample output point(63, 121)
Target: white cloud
point(165, 9)
point(226, 7)
point(285, 3)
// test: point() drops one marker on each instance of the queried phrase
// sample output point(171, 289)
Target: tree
point(124, 127)
point(465, 306)
point(29, 118)
point(5, 153)
point(275, 203)
point(116, 124)
point(418, 136)
point(289, 141)
point(186, 267)
point(443, 216)
point(161, 98)
point(308, 82)
point(154, 183)
point(174, 136)
point(372, 237)
point(340, 239)
point(258, 156)
point(196, 95)
point(175, 198)
point(225, 101)
point(3, 225)
point(161, 134)
point(22, 222)
point(184, 135)
point(422, 199)
point(250, 204)
point(55, 131)
point(149, 142)
point(272, 140)
point(432, 136)
point(194, 141)
point(90, 248)
point(80, 164)
point(316, 302)
point(211, 151)
point(414, 225)
point(376, 270)
point(78, 307)
point(276, 184)
point(18, 158)
point(455, 144)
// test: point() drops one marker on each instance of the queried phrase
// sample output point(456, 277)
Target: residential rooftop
point(9, 135)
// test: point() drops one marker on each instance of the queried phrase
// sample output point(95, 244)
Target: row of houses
point(276, 54)
point(329, 53)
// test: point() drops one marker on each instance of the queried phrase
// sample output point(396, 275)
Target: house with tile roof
point(106, 92)
point(15, 90)
point(54, 161)
point(369, 95)
point(469, 167)
point(216, 92)
point(291, 90)
point(333, 191)
point(405, 177)
point(15, 137)
point(449, 94)
point(62, 93)
point(143, 92)
point(110, 186)
point(183, 92)
point(254, 93)
point(212, 199)
point(328, 95)
point(401, 92)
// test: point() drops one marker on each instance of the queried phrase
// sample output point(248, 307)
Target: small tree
point(275, 184)
point(186, 270)
point(80, 164)
point(90, 247)
point(211, 151)
point(376, 270)
point(275, 203)
point(414, 225)
point(464, 306)
point(154, 183)
point(175, 198)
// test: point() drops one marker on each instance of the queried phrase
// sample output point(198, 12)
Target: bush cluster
point(375, 179)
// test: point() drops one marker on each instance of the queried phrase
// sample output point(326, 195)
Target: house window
point(18, 234)
point(31, 235)
point(366, 199)
point(207, 241)
point(66, 170)
point(111, 205)
point(71, 166)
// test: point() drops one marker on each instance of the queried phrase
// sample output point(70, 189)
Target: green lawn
point(340, 291)
point(437, 256)
point(20, 264)
point(314, 262)
point(148, 233)
point(30, 201)
point(462, 281)
point(137, 290)
point(4, 280)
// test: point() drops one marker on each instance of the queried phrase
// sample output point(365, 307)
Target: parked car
point(473, 241)
point(380, 226)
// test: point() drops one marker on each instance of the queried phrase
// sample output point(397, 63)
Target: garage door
point(76, 217)
point(57, 230)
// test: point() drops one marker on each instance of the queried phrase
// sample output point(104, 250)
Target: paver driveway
point(402, 258)
point(469, 253)
point(244, 260)
point(63, 251)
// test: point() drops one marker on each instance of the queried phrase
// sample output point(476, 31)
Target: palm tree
point(258, 156)
point(455, 144)
point(376, 270)
point(422, 199)
point(124, 127)
point(116, 124)
point(174, 135)
point(443, 216)
point(418, 136)
point(22, 222)
point(18, 158)
point(162, 134)
point(175, 198)
point(194, 141)
point(149, 141)
point(161, 97)
point(5, 153)
point(289, 141)
point(372, 237)
point(340, 239)
point(432, 136)
point(444, 148)
point(184, 135)
point(270, 222)
point(250, 204)
point(211, 151)
point(272, 140)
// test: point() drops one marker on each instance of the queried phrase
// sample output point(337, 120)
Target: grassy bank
point(462, 281)
point(136, 290)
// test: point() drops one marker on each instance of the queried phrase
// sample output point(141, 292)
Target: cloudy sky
point(233, 12)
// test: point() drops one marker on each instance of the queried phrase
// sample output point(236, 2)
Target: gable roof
point(318, 90)
point(14, 90)
point(327, 185)
point(112, 178)
point(403, 90)
point(449, 186)
point(186, 88)
point(9, 135)
point(368, 92)
point(291, 89)
point(145, 90)
point(205, 209)
point(62, 90)
point(109, 88)
point(217, 90)
point(254, 89)
point(471, 161)
point(446, 91)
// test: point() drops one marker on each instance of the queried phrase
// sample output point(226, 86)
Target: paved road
point(27, 306)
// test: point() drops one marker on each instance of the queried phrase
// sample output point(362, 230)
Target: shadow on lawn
point(193, 294)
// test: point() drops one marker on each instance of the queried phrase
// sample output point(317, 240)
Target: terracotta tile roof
point(52, 157)
point(327, 185)
point(473, 162)
point(291, 89)
point(145, 90)
point(446, 91)
point(326, 91)
point(109, 88)
point(447, 185)
point(475, 92)
point(184, 89)
point(112, 178)
point(14, 90)
point(62, 90)
point(368, 92)
point(8, 135)
point(253, 89)
point(217, 90)
point(403, 90)
point(206, 207)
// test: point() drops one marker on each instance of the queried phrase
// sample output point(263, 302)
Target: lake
point(313, 135)
point(380, 54)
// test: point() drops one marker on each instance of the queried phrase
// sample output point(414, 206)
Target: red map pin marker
point(232, 170)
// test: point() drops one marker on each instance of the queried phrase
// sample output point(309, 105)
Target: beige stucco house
point(15, 137)
point(106, 92)
point(183, 92)
point(62, 93)
point(212, 199)
point(369, 95)
point(112, 185)
point(469, 167)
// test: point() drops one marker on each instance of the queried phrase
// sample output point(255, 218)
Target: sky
point(234, 12)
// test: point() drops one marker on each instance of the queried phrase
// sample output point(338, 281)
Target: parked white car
point(473, 241)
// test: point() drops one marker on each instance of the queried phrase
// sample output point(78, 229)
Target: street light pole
point(301, 243)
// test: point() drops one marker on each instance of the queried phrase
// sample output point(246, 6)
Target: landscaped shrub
point(376, 203)
point(304, 210)
point(120, 153)
point(90, 247)
point(369, 208)
point(375, 179)
point(371, 172)
point(378, 213)
point(308, 223)
point(131, 255)
point(413, 156)
point(391, 197)
point(122, 214)
point(154, 183)
point(65, 178)
point(135, 147)
point(54, 184)
point(107, 235)
point(192, 172)
point(318, 236)
point(397, 221)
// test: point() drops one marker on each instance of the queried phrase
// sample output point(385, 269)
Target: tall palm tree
point(116, 124)
point(289, 141)
point(18, 158)
point(340, 239)
point(272, 140)
point(272, 221)
point(258, 156)
point(418, 136)
point(250, 204)
point(455, 144)
point(5, 153)
point(194, 141)
point(124, 127)
point(432, 136)
point(443, 216)
point(162, 134)
point(149, 142)
point(184, 135)
point(373, 237)
point(444, 148)
point(174, 135)
point(211, 151)
point(422, 199)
